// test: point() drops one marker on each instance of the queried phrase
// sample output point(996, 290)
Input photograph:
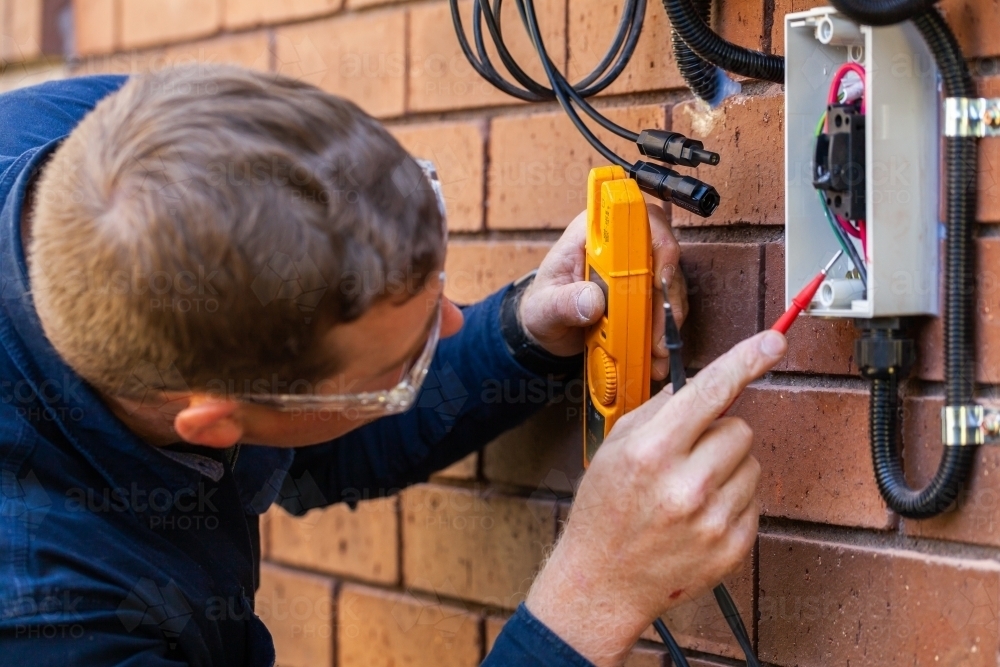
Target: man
point(222, 289)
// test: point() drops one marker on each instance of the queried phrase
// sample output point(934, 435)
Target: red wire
point(846, 226)
point(860, 233)
point(831, 98)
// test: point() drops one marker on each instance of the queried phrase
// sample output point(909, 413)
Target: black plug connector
point(674, 148)
point(689, 193)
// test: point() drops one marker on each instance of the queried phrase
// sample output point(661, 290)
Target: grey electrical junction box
point(901, 162)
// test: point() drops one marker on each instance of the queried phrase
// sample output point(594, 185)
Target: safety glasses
point(380, 403)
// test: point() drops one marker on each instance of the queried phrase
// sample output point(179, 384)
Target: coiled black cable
point(959, 363)
point(882, 12)
point(704, 42)
point(700, 76)
point(600, 77)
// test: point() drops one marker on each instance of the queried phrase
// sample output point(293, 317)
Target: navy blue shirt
point(115, 552)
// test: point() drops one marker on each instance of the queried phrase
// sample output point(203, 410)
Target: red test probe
point(803, 298)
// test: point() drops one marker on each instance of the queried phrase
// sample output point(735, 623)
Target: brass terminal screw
point(991, 424)
point(992, 117)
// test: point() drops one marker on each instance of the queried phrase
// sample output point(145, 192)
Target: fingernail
point(772, 344)
point(585, 304)
point(667, 273)
point(662, 343)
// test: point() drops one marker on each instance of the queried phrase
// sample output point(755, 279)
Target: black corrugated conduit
point(700, 76)
point(882, 12)
point(959, 363)
point(689, 25)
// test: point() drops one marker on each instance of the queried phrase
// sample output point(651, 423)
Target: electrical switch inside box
point(861, 166)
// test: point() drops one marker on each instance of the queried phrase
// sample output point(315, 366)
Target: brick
point(145, 23)
point(440, 76)
point(362, 4)
point(383, 629)
point(834, 604)
point(975, 518)
point(794, 429)
point(247, 49)
point(546, 452)
point(724, 290)
point(539, 164)
point(464, 545)
point(245, 13)
point(815, 344)
point(592, 25)
point(988, 185)
point(361, 544)
point(697, 623)
point(464, 469)
point(741, 22)
point(360, 57)
point(458, 150)
point(476, 269)
point(744, 131)
point(642, 656)
point(930, 359)
point(298, 609)
point(94, 24)
point(702, 662)
point(21, 33)
point(976, 24)
point(782, 7)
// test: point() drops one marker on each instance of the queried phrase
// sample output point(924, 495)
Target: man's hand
point(665, 511)
point(558, 304)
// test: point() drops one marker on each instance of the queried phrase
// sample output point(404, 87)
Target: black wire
point(617, 58)
point(678, 378)
point(732, 615)
point(677, 658)
point(536, 38)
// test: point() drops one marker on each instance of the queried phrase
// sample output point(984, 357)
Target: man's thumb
point(578, 304)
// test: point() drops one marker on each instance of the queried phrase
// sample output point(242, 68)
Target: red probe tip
point(802, 299)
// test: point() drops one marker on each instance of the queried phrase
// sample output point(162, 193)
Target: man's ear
point(210, 422)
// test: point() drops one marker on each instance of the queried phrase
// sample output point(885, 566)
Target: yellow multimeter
point(620, 262)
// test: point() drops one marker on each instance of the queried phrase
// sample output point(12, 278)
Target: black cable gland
point(684, 191)
point(882, 354)
point(674, 148)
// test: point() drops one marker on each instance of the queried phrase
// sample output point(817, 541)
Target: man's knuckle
point(715, 527)
point(689, 499)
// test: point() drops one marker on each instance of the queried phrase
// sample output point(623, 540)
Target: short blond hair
point(205, 226)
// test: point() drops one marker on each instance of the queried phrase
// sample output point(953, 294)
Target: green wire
point(819, 126)
point(845, 243)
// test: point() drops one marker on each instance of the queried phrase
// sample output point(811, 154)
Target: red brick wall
point(427, 578)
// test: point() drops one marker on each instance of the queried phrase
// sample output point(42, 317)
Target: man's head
point(216, 232)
